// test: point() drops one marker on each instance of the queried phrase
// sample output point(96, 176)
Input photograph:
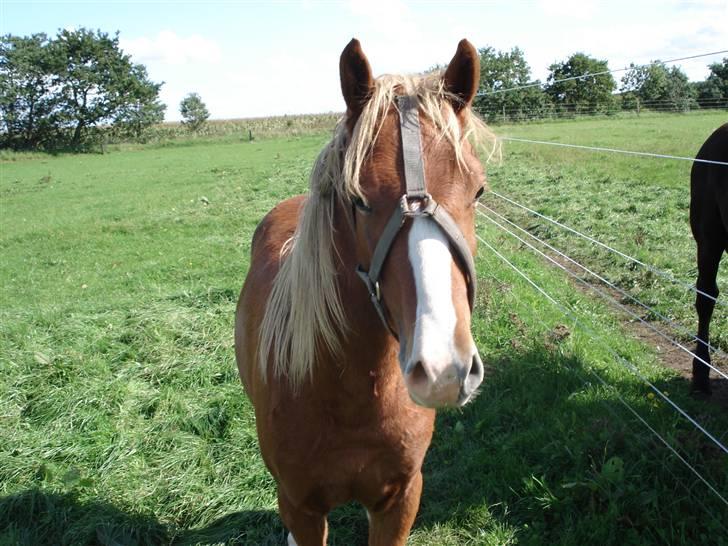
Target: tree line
point(584, 85)
point(60, 92)
point(78, 88)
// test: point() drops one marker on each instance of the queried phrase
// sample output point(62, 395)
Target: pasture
point(123, 420)
point(637, 205)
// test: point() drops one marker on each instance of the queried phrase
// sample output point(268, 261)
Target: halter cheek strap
point(416, 202)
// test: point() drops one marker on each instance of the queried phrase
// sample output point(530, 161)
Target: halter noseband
point(416, 202)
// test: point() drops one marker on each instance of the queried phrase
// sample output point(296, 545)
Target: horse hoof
point(700, 387)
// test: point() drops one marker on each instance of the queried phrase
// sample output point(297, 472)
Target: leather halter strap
point(416, 202)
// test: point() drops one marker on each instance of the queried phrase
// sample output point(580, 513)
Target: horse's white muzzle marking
point(437, 372)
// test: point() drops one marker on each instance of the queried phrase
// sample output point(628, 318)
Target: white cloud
point(576, 9)
point(385, 12)
point(169, 48)
point(390, 24)
point(665, 35)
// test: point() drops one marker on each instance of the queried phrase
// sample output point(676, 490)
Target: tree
point(97, 80)
point(646, 83)
point(57, 92)
point(715, 88)
point(194, 112)
point(588, 85)
point(501, 71)
point(26, 98)
point(679, 91)
point(656, 86)
point(144, 109)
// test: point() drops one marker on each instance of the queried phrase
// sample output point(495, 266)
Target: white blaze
point(431, 260)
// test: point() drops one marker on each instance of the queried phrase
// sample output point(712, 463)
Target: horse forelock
point(304, 308)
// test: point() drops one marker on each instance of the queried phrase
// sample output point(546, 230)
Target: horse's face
point(423, 283)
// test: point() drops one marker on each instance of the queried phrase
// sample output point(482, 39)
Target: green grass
point(636, 205)
point(123, 420)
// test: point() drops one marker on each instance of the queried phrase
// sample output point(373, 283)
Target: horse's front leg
point(390, 524)
point(305, 528)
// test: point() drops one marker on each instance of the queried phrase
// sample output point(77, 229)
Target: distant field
point(123, 420)
point(247, 129)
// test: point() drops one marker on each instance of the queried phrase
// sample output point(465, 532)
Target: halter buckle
point(417, 205)
point(372, 287)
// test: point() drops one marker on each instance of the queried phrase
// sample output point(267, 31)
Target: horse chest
point(333, 425)
point(341, 464)
point(338, 449)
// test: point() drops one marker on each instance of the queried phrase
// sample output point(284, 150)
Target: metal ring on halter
point(407, 204)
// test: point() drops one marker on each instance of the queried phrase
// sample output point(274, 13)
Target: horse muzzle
point(437, 383)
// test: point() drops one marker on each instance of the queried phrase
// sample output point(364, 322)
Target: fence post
point(638, 106)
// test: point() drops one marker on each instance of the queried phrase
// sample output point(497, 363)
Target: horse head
point(416, 178)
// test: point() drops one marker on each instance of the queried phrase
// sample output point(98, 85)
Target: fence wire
point(636, 371)
point(594, 336)
point(622, 401)
point(614, 287)
point(592, 240)
point(615, 150)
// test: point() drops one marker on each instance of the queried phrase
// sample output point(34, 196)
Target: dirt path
point(676, 358)
point(670, 354)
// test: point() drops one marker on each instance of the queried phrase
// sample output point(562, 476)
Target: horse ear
point(357, 82)
point(462, 76)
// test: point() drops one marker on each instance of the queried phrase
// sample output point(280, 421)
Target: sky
point(252, 59)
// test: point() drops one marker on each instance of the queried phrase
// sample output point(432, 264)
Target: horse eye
point(480, 192)
point(361, 205)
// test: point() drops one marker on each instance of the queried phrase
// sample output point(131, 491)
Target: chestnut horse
point(709, 224)
point(344, 374)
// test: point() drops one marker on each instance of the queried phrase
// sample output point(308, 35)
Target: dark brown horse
point(709, 224)
point(343, 374)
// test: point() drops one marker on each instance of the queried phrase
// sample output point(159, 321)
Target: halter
point(416, 202)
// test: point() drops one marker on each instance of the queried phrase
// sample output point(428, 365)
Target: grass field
point(121, 414)
point(636, 205)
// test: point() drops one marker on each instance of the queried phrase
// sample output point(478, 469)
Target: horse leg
point(304, 528)
point(390, 525)
point(709, 253)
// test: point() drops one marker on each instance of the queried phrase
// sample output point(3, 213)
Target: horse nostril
point(476, 368)
point(417, 373)
point(475, 374)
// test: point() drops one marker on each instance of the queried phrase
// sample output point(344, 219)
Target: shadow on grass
point(261, 527)
point(719, 386)
point(545, 455)
point(36, 517)
point(40, 517)
point(550, 452)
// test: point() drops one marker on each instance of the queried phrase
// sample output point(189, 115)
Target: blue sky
point(250, 58)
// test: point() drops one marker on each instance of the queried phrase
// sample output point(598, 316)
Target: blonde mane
point(304, 313)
